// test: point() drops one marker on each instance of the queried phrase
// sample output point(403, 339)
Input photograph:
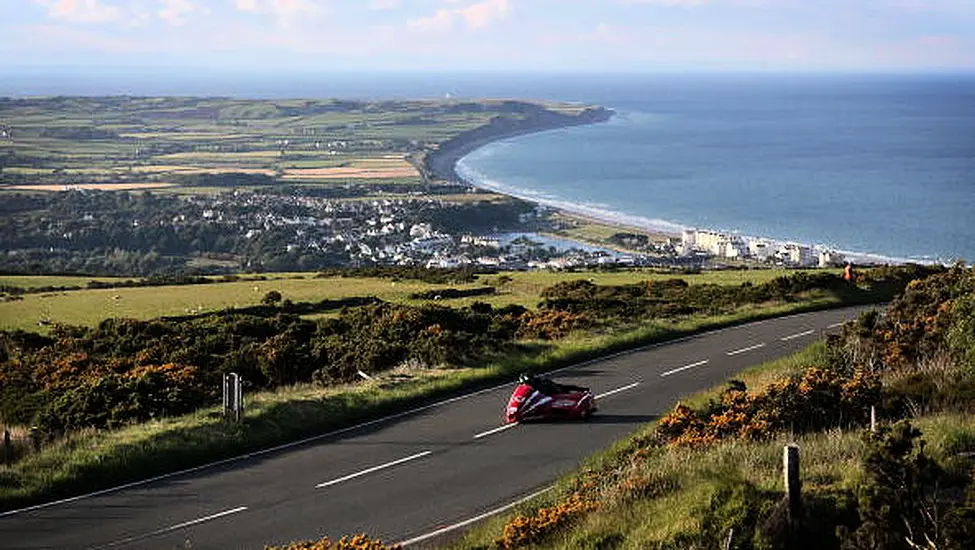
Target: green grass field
point(88, 307)
point(106, 137)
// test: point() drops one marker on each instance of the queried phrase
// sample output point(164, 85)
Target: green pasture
point(38, 281)
point(88, 307)
point(193, 133)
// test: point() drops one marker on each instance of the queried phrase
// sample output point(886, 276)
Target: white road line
point(617, 390)
point(698, 364)
point(496, 430)
point(474, 519)
point(745, 350)
point(373, 469)
point(835, 325)
point(794, 336)
point(174, 527)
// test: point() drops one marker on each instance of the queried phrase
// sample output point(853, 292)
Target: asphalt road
point(405, 478)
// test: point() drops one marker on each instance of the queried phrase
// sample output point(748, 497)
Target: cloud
point(475, 16)
point(700, 3)
point(382, 5)
point(287, 12)
point(81, 11)
point(176, 11)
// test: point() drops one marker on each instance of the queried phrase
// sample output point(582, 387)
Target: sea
point(879, 166)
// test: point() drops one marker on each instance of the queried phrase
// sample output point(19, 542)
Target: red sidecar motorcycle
point(537, 398)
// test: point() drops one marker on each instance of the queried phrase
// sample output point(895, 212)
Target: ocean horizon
point(879, 166)
point(881, 169)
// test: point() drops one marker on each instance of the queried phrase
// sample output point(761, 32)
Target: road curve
point(408, 477)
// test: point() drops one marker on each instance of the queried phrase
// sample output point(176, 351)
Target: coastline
point(441, 163)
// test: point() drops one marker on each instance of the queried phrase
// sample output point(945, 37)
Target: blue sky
point(509, 35)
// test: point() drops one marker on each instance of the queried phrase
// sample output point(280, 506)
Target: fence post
point(7, 449)
point(873, 419)
point(793, 487)
point(226, 395)
point(35, 438)
point(233, 395)
point(238, 396)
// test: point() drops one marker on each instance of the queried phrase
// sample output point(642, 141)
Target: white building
point(760, 250)
point(831, 258)
point(797, 254)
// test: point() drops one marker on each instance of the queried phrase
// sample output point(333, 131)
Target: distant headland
point(441, 163)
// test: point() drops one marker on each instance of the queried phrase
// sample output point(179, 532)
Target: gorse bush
point(907, 500)
point(524, 531)
point(815, 400)
point(126, 370)
point(357, 542)
point(675, 297)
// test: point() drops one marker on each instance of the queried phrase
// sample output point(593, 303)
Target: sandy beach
point(442, 163)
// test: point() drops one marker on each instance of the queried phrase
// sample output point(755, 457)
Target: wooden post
point(793, 486)
point(35, 438)
point(7, 449)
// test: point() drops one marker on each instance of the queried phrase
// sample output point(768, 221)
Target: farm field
point(88, 307)
point(132, 143)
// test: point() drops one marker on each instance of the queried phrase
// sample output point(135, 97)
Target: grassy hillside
point(88, 307)
point(711, 471)
point(93, 391)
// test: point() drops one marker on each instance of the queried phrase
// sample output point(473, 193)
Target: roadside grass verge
point(666, 491)
point(90, 461)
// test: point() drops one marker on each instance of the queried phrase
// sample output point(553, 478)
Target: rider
point(546, 386)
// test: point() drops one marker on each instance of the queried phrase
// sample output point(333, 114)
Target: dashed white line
point(799, 335)
point(685, 367)
point(745, 350)
point(373, 469)
point(836, 325)
point(175, 527)
point(617, 390)
point(474, 519)
point(496, 430)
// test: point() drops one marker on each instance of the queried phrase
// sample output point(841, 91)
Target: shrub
point(526, 530)
point(357, 542)
point(897, 503)
point(813, 400)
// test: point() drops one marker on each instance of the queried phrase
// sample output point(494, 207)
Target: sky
point(491, 35)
